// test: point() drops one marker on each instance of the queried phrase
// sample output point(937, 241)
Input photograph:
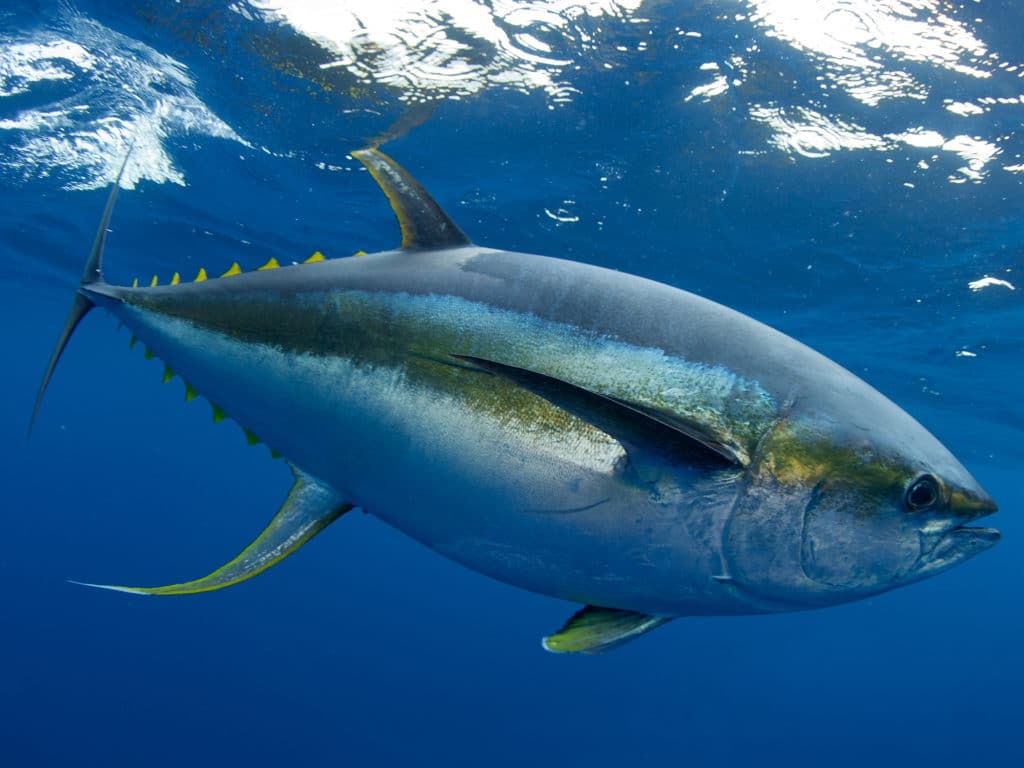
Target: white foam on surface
point(103, 92)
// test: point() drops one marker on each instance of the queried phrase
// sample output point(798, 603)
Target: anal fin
point(595, 630)
point(309, 508)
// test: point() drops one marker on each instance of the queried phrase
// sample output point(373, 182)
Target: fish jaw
point(957, 545)
point(824, 518)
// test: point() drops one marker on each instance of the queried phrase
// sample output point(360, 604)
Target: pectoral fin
point(309, 508)
point(648, 437)
point(594, 630)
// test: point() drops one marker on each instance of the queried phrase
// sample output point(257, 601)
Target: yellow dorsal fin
point(359, 253)
point(234, 269)
point(153, 283)
point(135, 282)
point(200, 276)
point(175, 278)
point(168, 373)
point(315, 257)
point(190, 393)
point(271, 264)
point(218, 414)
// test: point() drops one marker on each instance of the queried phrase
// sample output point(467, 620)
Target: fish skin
point(356, 403)
point(445, 388)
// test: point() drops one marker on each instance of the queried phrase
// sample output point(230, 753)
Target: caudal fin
point(81, 304)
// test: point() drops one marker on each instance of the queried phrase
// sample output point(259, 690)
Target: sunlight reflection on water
point(912, 81)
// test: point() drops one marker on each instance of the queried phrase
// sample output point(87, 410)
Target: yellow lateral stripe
point(315, 257)
point(153, 283)
point(135, 282)
point(175, 278)
point(200, 276)
point(271, 264)
point(234, 269)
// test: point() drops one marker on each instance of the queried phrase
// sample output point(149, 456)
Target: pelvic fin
point(595, 630)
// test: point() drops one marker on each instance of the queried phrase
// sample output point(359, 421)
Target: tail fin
point(81, 304)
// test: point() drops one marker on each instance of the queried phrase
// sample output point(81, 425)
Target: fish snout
point(971, 504)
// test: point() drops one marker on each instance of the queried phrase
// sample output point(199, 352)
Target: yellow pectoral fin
point(309, 508)
point(595, 630)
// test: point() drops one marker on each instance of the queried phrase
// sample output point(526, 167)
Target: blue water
point(855, 219)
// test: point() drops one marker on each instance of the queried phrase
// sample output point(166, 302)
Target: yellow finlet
point(317, 256)
point(168, 373)
point(190, 393)
point(132, 341)
point(149, 354)
point(359, 253)
point(271, 264)
point(218, 414)
point(234, 269)
point(175, 278)
point(135, 282)
point(250, 438)
point(200, 276)
point(153, 283)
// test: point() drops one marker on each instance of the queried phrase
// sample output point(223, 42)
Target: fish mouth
point(953, 546)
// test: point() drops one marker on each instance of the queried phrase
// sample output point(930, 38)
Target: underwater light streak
point(988, 282)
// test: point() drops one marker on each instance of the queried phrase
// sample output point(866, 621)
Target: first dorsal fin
point(424, 224)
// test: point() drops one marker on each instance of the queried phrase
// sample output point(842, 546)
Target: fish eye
point(922, 493)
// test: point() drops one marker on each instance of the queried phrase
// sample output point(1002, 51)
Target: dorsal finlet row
point(234, 269)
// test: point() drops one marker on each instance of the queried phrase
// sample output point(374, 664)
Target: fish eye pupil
point(923, 493)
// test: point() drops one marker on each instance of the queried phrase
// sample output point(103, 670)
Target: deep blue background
point(367, 649)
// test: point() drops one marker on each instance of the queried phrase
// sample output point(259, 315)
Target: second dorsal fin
point(424, 224)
